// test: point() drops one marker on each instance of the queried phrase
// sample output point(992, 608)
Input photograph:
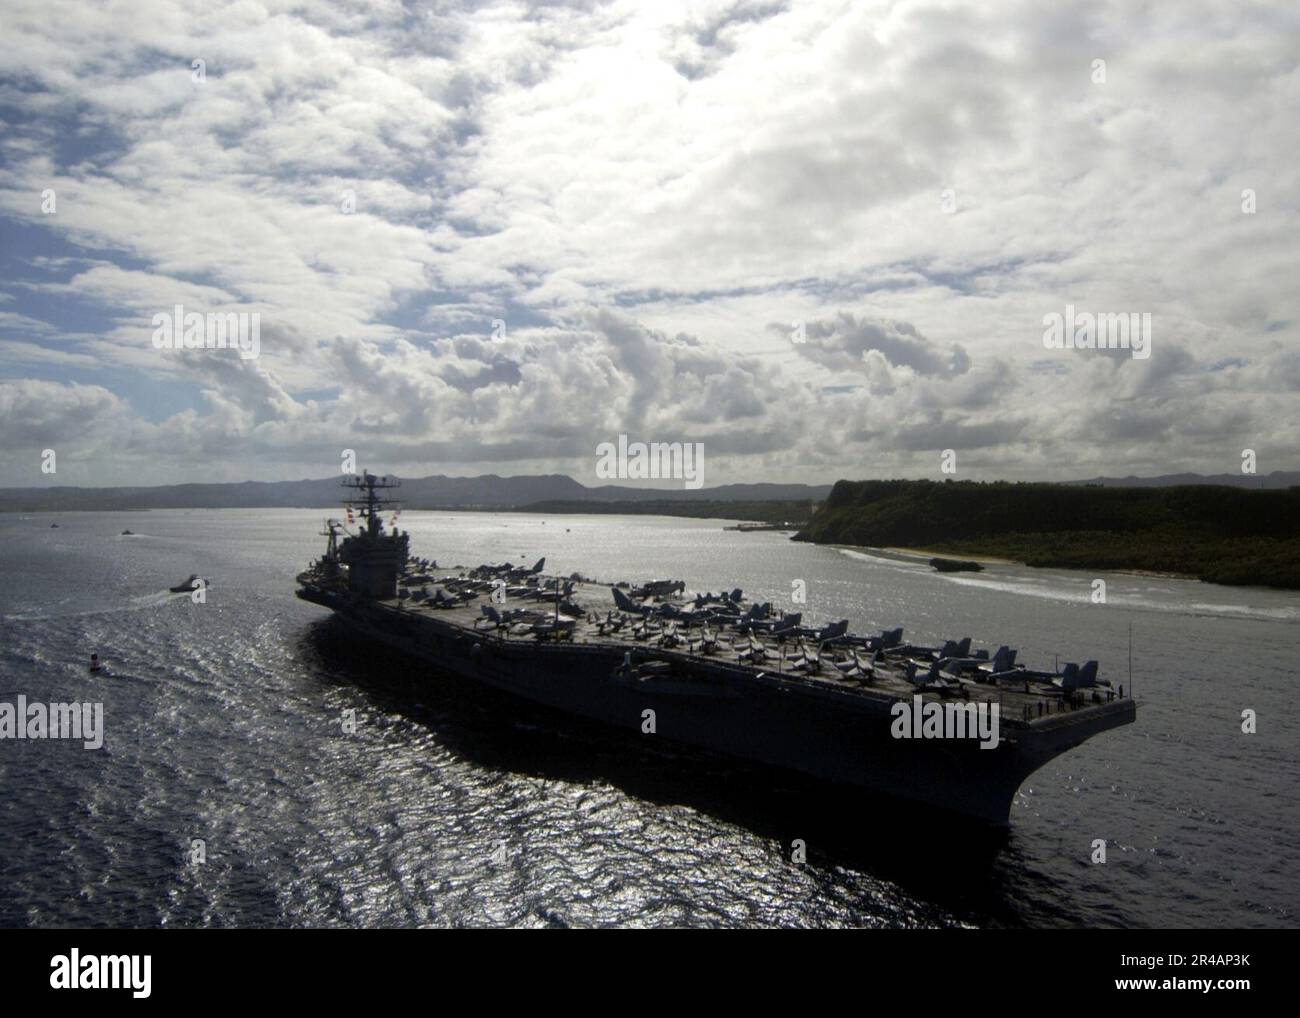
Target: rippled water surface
point(451, 806)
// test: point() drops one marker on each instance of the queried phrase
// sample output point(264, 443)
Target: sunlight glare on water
point(224, 724)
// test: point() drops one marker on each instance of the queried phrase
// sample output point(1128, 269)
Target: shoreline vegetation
point(1218, 534)
point(992, 560)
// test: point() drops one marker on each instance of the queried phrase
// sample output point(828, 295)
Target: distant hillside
point(761, 512)
point(1277, 479)
point(1216, 533)
point(760, 492)
point(487, 491)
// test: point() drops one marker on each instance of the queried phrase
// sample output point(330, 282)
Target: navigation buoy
point(94, 663)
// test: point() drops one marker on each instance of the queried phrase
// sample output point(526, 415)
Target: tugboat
point(714, 672)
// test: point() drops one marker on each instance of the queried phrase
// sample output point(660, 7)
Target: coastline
point(927, 553)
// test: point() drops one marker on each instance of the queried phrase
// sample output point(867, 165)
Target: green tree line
point(1217, 534)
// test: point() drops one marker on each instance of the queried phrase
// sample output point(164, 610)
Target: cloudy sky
point(820, 238)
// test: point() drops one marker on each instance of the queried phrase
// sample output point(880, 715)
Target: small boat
point(956, 566)
point(185, 586)
point(128, 533)
point(54, 526)
point(95, 666)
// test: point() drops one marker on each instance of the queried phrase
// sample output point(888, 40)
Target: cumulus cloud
point(31, 408)
point(844, 343)
point(645, 197)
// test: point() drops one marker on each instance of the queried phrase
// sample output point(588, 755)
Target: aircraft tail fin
point(834, 630)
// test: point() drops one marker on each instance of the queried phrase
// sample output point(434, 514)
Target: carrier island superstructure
point(717, 672)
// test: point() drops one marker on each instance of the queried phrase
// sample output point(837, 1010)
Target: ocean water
point(452, 807)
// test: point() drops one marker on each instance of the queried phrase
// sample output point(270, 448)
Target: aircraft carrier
point(715, 671)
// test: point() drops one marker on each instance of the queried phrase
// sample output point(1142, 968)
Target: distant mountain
point(1277, 479)
point(490, 491)
point(487, 491)
point(724, 493)
point(772, 512)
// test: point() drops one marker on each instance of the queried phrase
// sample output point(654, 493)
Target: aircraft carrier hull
point(811, 729)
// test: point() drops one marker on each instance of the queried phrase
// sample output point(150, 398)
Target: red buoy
point(94, 662)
